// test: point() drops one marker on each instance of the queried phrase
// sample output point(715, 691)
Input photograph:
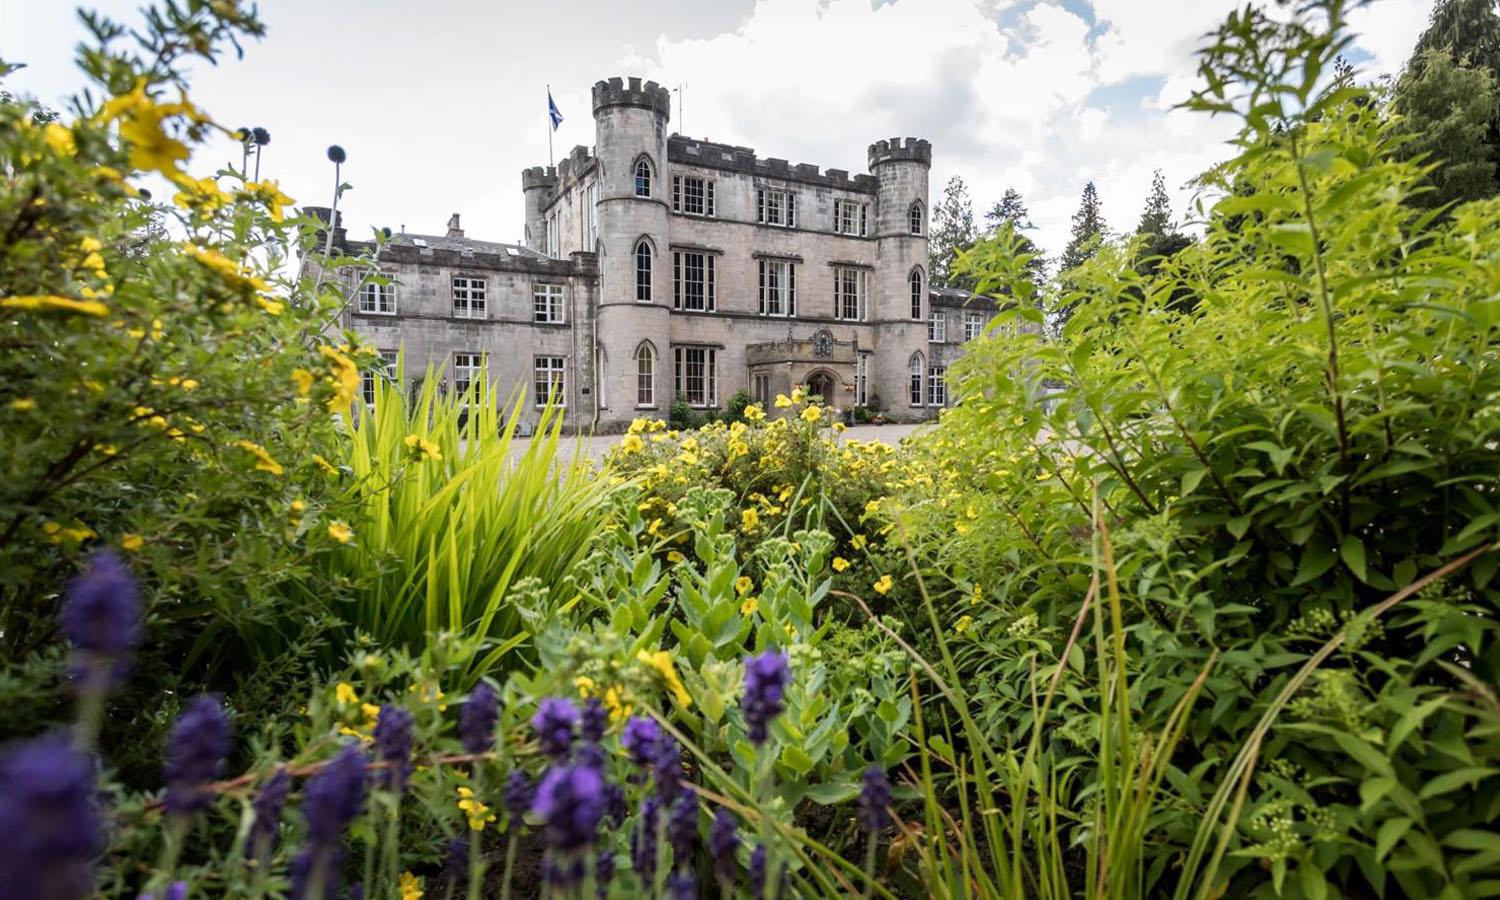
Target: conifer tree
point(1088, 228)
point(952, 230)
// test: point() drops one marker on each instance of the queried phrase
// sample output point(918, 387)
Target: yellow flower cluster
point(477, 813)
point(423, 449)
point(263, 460)
point(660, 661)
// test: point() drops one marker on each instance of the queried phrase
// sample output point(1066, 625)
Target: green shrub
point(452, 517)
point(1278, 465)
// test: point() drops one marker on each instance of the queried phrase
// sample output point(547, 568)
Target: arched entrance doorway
point(824, 385)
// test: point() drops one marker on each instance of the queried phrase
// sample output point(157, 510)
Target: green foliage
point(951, 231)
point(1279, 467)
point(1446, 111)
point(1088, 230)
point(149, 393)
point(453, 516)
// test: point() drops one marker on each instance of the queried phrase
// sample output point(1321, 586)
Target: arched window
point(914, 217)
point(915, 379)
point(916, 294)
point(642, 271)
point(645, 375)
point(643, 177)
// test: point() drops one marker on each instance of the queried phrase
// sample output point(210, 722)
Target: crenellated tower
point(630, 122)
point(900, 305)
point(538, 185)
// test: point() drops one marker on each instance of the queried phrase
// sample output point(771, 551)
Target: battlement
point(573, 166)
point(901, 150)
point(544, 177)
point(689, 151)
point(619, 92)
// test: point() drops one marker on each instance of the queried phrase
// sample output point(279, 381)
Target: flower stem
point(871, 845)
point(476, 843)
point(511, 845)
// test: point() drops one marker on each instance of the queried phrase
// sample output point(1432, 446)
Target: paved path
point(596, 446)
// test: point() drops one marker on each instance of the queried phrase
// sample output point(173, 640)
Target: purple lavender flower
point(320, 863)
point(682, 886)
point(723, 840)
point(554, 722)
point(335, 795)
point(477, 718)
point(639, 738)
point(666, 764)
point(604, 872)
point(267, 805)
point(393, 745)
point(643, 840)
point(873, 800)
point(766, 678)
point(456, 863)
point(593, 721)
point(176, 891)
point(570, 800)
point(519, 794)
point(682, 828)
point(591, 755)
point(102, 619)
point(51, 824)
point(614, 803)
point(357, 891)
point(758, 871)
point(196, 749)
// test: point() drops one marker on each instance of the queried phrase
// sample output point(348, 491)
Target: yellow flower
point(976, 596)
point(632, 443)
point(675, 556)
point(785, 493)
point(304, 380)
point(883, 586)
point(422, 448)
point(264, 462)
point(750, 605)
point(963, 624)
point(324, 464)
point(23, 404)
point(783, 401)
point(840, 564)
point(478, 814)
point(340, 532)
point(269, 193)
point(872, 507)
point(798, 395)
point(60, 139)
point(858, 542)
point(411, 887)
point(743, 584)
point(812, 414)
point(46, 302)
point(749, 520)
point(637, 426)
point(753, 413)
point(614, 702)
point(199, 193)
point(585, 686)
point(344, 693)
point(661, 661)
point(131, 542)
point(838, 427)
point(345, 375)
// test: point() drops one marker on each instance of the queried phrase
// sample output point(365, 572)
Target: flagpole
point(550, 126)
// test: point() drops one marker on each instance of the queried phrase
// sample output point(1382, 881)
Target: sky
point(440, 105)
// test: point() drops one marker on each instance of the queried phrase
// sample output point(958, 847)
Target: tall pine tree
point(1012, 210)
point(1088, 230)
point(952, 230)
point(1439, 94)
point(1160, 236)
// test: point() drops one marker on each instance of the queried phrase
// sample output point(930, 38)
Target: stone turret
point(538, 184)
point(630, 128)
point(900, 167)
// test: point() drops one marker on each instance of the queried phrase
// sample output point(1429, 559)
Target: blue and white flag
point(552, 112)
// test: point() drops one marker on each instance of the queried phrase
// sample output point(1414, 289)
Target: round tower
point(538, 184)
point(900, 295)
point(630, 123)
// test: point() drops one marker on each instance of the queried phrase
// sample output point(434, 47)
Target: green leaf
point(1452, 781)
point(1352, 550)
point(1310, 877)
point(1391, 831)
point(833, 792)
point(798, 761)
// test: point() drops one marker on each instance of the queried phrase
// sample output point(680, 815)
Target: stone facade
point(656, 265)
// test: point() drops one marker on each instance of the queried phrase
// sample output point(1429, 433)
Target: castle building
point(658, 266)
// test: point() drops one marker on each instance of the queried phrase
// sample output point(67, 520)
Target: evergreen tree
point(1156, 218)
point(1159, 237)
point(1468, 32)
point(1447, 109)
point(952, 231)
point(1088, 229)
point(1012, 209)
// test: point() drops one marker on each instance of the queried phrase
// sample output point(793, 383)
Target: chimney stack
point(453, 229)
